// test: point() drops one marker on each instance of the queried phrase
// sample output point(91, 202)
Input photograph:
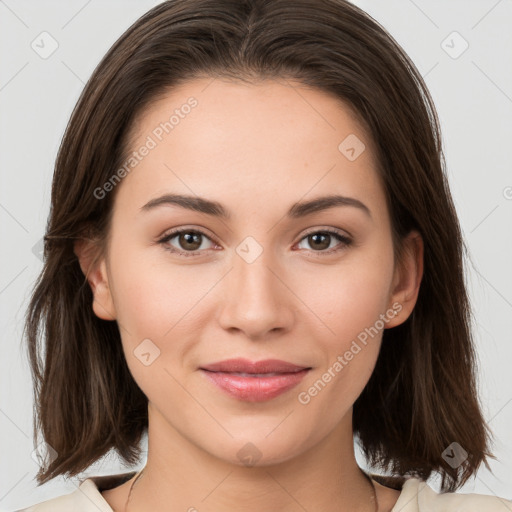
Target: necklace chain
point(373, 490)
point(131, 489)
point(142, 471)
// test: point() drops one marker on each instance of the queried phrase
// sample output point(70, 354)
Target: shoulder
point(86, 498)
point(417, 496)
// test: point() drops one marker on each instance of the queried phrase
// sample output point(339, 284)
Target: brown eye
point(188, 242)
point(320, 241)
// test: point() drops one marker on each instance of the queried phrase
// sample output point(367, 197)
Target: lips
point(254, 381)
point(257, 367)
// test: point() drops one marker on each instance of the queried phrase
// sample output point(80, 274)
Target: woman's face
point(264, 281)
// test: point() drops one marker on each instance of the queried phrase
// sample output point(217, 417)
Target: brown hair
point(422, 395)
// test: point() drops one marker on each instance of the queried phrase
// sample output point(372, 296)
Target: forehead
point(268, 141)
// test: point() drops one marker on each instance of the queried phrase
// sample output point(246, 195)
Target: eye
point(189, 241)
point(320, 240)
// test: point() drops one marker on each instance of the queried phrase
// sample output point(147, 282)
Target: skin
point(257, 149)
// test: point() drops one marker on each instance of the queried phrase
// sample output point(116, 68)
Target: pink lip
point(246, 366)
point(281, 377)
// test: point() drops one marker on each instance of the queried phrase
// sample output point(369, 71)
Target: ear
point(94, 267)
point(407, 279)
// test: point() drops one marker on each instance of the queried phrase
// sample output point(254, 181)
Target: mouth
point(254, 381)
point(244, 374)
point(265, 366)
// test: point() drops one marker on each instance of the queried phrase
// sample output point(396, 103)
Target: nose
point(256, 299)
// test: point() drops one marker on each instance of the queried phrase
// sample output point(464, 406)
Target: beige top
point(416, 496)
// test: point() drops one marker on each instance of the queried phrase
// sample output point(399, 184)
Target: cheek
point(154, 296)
point(162, 302)
point(348, 298)
point(351, 310)
point(159, 302)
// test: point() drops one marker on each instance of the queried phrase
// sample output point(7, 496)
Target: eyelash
point(169, 236)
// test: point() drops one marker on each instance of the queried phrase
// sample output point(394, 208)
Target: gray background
point(473, 93)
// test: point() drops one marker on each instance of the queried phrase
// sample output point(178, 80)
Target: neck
point(179, 475)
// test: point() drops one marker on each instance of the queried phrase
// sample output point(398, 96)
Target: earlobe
point(94, 268)
point(407, 278)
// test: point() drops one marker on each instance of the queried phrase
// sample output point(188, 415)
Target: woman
point(253, 256)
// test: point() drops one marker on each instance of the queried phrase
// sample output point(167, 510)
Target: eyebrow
point(297, 210)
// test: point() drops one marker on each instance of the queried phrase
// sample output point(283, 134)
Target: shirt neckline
point(95, 485)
